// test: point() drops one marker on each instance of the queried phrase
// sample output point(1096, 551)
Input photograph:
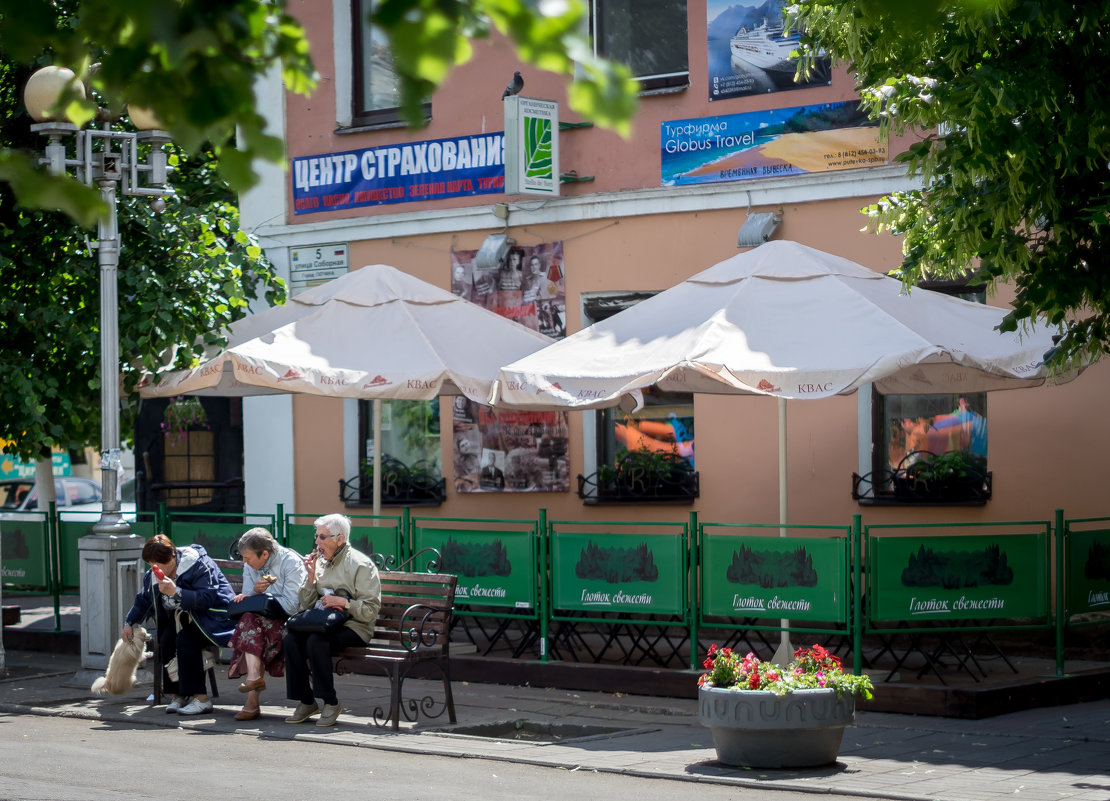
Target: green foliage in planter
point(948, 466)
point(401, 481)
point(643, 468)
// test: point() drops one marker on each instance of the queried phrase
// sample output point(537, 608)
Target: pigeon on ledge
point(514, 87)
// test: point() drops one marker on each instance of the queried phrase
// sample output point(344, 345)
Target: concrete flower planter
point(759, 729)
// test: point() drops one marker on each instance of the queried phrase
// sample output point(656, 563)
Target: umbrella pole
point(376, 405)
point(785, 651)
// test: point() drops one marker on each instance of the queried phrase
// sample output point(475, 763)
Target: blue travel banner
point(400, 173)
point(821, 137)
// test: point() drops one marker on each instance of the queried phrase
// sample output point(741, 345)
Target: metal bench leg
point(395, 695)
point(445, 667)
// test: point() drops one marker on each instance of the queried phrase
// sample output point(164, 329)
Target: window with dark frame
point(904, 426)
point(410, 433)
point(666, 421)
point(649, 36)
point(189, 456)
point(376, 97)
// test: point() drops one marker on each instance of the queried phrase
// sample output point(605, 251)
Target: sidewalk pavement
point(1050, 753)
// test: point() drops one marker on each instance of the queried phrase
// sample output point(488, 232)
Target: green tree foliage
point(184, 274)
point(194, 63)
point(1009, 104)
point(430, 37)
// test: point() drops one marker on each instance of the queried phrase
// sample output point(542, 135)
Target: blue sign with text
point(400, 173)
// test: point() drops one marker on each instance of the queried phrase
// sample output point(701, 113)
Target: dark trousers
point(307, 654)
point(186, 645)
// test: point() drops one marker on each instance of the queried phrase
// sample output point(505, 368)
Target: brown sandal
point(256, 684)
point(245, 715)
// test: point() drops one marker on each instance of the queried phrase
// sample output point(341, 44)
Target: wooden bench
point(413, 629)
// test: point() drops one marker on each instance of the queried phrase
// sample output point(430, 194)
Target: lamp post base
point(110, 570)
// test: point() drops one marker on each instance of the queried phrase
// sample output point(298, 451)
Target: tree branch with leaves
point(1009, 103)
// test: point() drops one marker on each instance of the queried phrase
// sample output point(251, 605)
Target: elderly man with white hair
point(339, 577)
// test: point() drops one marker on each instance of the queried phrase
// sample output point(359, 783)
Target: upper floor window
point(647, 35)
point(376, 95)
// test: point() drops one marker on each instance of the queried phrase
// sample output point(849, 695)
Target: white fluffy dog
point(125, 660)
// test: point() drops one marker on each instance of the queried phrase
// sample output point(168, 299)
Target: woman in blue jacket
point(189, 604)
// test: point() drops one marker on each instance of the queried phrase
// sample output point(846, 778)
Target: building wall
point(623, 231)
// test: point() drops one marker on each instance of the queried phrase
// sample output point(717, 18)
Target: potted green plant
point(763, 715)
point(949, 476)
point(418, 484)
point(643, 474)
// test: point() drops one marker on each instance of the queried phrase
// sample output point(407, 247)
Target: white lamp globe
point(45, 87)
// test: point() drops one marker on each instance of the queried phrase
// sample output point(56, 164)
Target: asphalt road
point(74, 759)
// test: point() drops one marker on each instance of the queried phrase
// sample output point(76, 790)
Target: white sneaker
point(177, 702)
point(195, 707)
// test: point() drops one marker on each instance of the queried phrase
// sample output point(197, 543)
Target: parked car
point(78, 497)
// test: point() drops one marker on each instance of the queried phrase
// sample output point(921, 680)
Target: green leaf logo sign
point(537, 148)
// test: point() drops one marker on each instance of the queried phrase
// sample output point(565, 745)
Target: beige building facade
point(626, 226)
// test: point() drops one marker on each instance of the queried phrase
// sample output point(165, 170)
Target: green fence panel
point(800, 578)
point(634, 572)
point(69, 556)
point(217, 533)
point(26, 553)
point(1088, 571)
point(369, 534)
point(300, 537)
point(495, 567)
point(144, 528)
point(959, 578)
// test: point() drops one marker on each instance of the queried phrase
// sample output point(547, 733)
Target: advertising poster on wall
point(528, 286)
point(513, 451)
point(823, 137)
point(747, 53)
point(430, 170)
point(499, 451)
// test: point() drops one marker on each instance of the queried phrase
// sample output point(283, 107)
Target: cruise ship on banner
point(764, 47)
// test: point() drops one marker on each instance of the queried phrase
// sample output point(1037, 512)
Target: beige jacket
point(355, 573)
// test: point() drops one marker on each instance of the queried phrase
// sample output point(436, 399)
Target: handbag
point(317, 621)
point(261, 604)
point(207, 659)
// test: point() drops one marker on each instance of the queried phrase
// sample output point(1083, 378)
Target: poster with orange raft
point(822, 137)
point(659, 435)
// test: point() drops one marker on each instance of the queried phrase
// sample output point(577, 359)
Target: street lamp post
point(110, 160)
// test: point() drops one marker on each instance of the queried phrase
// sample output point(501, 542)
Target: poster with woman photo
point(528, 286)
point(513, 451)
point(748, 54)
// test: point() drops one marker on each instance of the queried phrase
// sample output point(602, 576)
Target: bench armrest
point(420, 626)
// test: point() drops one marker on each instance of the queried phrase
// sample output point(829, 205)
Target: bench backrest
point(416, 610)
point(233, 571)
point(399, 625)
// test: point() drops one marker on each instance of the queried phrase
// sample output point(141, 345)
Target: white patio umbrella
point(374, 333)
point(785, 320)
